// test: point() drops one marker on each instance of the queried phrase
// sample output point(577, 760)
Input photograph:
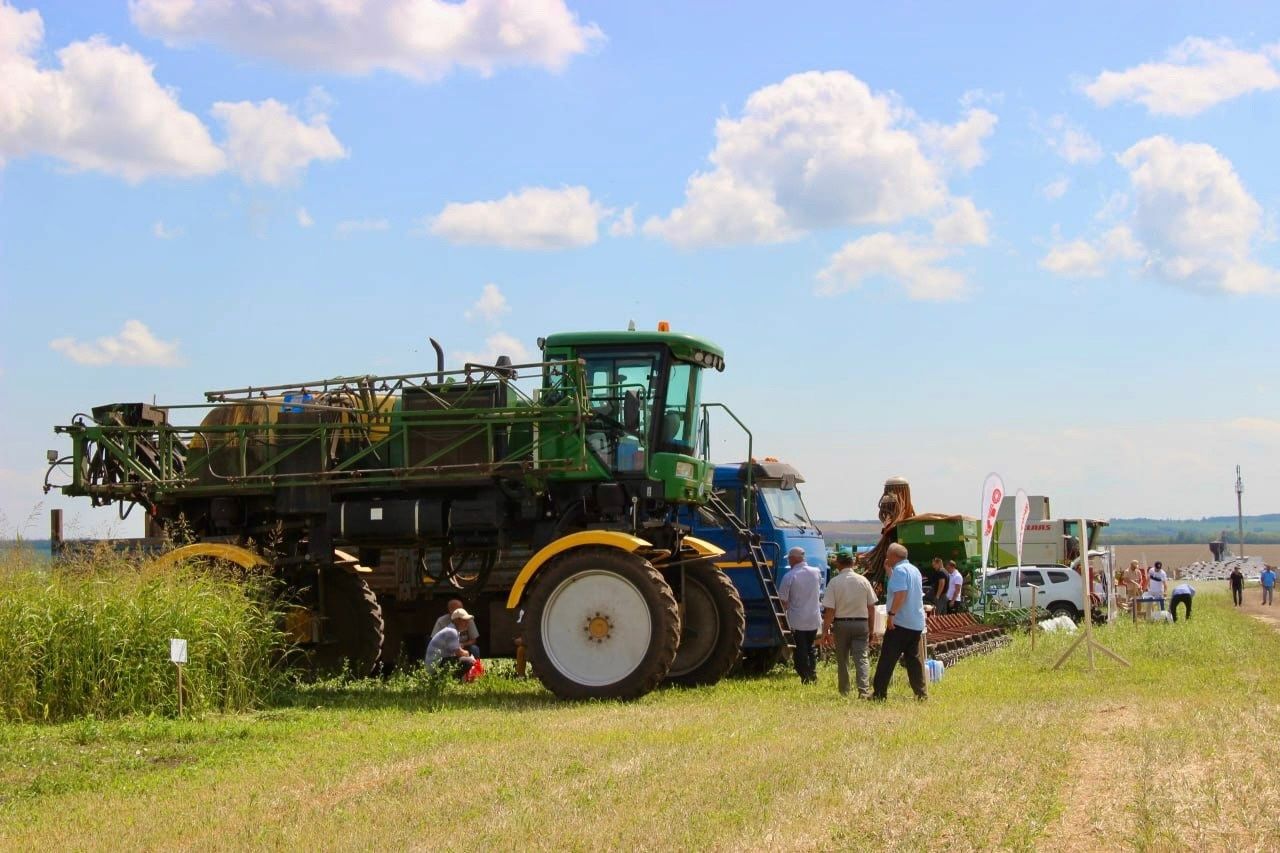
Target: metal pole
point(1240, 509)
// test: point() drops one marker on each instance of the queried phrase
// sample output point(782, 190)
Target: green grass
point(1177, 751)
point(93, 639)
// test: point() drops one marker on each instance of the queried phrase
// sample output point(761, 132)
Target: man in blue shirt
point(904, 625)
point(1268, 579)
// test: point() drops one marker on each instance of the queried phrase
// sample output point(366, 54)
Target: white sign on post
point(178, 651)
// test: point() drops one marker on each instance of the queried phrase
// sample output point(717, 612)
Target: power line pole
point(1240, 508)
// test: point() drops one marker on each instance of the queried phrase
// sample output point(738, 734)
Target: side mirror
point(631, 411)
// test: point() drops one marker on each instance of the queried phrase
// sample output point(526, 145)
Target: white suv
point(1059, 592)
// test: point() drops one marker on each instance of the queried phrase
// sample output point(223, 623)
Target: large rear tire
point(601, 624)
point(352, 631)
point(712, 625)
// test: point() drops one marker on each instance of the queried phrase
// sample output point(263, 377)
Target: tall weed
point(92, 638)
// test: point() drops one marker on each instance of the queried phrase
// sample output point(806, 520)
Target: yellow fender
point(702, 546)
point(611, 538)
point(242, 557)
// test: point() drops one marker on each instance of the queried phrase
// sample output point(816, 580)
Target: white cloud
point(497, 344)
point(1193, 217)
point(420, 39)
point(1189, 221)
point(1077, 259)
point(304, 218)
point(165, 232)
point(1056, 188)
point(101, 110)
point(909, 261)
point(134, 345)
point(624, 225)
point(1071, 142)
point(963, 225)
point(817, 150)
point(960, 145)
point(533, 218)
point(347, 227)
point(490, 306)
point(1196, 75)
point(268, 144)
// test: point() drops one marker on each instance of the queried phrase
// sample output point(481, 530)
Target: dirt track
point(1176, 556)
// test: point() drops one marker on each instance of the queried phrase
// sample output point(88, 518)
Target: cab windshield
point(785, 507)
point(683, 413)
point(621, 388)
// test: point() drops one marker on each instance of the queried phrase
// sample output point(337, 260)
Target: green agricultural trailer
point(543, 495)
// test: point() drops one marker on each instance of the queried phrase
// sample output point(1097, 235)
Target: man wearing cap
point(446, 649)
point(800, 589)
point(469, 637)
point(904, 625)
point(848, 612)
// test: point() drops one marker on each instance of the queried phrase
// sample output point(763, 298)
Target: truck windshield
point(785, 506)
point(683, 412)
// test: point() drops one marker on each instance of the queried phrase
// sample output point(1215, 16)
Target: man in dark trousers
point(1182, 594)
point(935, 591)
point(1237, 585)
point(800, 592)
point(904, 625)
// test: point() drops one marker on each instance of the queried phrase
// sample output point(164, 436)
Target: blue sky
point(934, 240)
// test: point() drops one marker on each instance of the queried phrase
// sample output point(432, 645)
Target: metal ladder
point(761, 563)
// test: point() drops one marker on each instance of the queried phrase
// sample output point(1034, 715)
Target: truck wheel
point(601, 624)
point(712, 624)
point(351, 634)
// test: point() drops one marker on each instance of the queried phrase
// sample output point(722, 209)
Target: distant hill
point(1259, 529)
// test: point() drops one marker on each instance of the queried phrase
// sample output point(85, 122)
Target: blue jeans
point(1267, 592)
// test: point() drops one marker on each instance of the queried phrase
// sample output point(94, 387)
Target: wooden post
point(179, 666)
point(55, 532)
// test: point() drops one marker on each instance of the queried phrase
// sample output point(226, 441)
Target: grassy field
point(1178, 751)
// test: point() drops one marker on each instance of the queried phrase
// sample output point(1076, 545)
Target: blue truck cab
point(772, 506)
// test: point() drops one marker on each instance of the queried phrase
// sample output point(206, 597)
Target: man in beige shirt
point(848, 614)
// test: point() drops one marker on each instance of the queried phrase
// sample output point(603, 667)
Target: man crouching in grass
point(445, 649)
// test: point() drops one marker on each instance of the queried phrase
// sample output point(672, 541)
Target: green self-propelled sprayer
point(544, 495)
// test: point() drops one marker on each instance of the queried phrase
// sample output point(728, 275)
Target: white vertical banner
point(1021, 511)
point(992, 495)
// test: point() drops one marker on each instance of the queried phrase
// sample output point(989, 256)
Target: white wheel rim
point(596, 628)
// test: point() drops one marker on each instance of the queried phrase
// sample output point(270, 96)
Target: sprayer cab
point(645, 403)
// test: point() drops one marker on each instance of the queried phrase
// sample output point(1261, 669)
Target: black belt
point(851, 619)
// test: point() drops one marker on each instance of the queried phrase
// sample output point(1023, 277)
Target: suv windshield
point(786, 507)
point(999, 580)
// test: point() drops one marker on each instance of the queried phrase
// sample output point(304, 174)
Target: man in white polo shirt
point(848, 612)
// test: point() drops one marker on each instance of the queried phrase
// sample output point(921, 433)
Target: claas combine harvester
point(543, 495)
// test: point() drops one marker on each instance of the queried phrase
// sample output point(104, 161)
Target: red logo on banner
point(993, 509)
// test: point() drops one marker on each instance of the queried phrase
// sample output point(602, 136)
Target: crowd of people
point(843, 616)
